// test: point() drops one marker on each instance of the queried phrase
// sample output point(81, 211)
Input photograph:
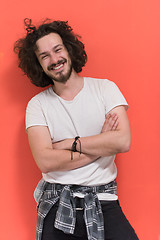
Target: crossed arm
point(114, 138)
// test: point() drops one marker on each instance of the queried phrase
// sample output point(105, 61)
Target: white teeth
point(55, 68)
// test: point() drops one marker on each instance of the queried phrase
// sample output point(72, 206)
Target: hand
point(111, 123)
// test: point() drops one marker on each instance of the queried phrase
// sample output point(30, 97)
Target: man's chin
point(62, 79)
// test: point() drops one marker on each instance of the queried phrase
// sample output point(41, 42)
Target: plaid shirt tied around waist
point(47, 194)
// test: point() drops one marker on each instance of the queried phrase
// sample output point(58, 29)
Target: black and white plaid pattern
point(47, 194)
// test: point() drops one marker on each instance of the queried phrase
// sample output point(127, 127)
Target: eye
point(44, 56)
point(58, 50)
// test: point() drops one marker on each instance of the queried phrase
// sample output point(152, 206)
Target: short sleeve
point(112, 96)
point(35, 113)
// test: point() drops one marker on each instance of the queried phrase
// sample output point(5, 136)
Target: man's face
point(54, 57)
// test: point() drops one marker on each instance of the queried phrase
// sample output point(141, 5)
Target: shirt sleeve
point(35, 113)
point(112, 96)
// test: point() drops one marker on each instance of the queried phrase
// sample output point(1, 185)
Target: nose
point(53, 58)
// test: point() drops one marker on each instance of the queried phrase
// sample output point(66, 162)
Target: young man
point(75, 128)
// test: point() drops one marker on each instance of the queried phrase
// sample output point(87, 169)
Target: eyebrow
point(43, 53)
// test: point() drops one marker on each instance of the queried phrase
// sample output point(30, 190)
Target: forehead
point(48, 42)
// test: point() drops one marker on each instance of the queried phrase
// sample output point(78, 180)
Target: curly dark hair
point(26, 47)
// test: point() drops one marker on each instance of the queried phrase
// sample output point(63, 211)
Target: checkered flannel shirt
point(47, 194)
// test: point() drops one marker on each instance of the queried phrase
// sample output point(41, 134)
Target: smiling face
point(54, 58)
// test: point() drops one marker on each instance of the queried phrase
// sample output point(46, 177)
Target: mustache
point(55, 64)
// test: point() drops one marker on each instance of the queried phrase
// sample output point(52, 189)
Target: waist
point(104, 192)
point(110, 188)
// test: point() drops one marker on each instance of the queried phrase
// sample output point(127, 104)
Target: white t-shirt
point(83, 116)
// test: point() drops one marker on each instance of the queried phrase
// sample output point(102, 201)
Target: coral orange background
point(122, 39)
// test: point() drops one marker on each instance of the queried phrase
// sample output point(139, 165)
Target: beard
point(60, 76)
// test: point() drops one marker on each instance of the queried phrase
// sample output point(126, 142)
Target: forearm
point(50, 159)
point(105, 144)
point(61, 160)
point(112, 140)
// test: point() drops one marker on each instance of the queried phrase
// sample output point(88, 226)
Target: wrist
point(69, 143)
point(76, 145)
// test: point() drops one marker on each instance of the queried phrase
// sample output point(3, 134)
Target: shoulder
point(98, 81)
point(102, 84)
point(108, 91)
point(36, 109)
point(40, 97)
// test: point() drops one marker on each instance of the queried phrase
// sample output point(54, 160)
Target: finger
point(105, 125)
point(115, 126)
point(112, 120)
point(108, 116)
point(109, 122)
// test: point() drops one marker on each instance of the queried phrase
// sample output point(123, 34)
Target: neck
point(69, 89)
